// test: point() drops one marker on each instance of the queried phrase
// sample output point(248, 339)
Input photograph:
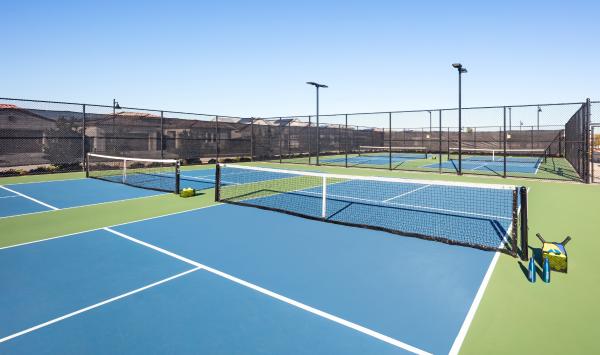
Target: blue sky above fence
point(253, 58)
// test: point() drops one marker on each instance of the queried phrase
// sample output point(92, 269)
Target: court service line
point(44, 181)
point(458, 341)
point(30, 198)
point(277, 296)
point(99, 304)
point(10, 196)
point(406, 193)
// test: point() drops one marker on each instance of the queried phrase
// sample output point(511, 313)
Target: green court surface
point(514, 316)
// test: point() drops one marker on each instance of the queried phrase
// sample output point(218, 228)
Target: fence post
point(252, 139)
point(588, 146)
point(346, 142)
point(504, 142)
point(162, 132)
point(309, 139)
point(280, 140)
point(440, 144)
point(217, 139)
point(83, 150)
point(389, 139)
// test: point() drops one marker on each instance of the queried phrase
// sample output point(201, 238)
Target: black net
point(152, 174)
point(475, 215)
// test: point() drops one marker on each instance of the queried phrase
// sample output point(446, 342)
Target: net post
point(177, 176)
point(524, 225)
point(87, 165)
point(218, 182)
point(124, 170)
point(324, 198)
point(514, 232)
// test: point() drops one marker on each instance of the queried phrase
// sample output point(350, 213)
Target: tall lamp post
point(429, 122)
point(115, 106)
point(461, 71)
point(318, 86)
point(538, 117)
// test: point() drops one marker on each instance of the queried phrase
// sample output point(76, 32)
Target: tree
point(62, 146)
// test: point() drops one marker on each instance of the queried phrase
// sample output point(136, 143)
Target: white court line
point(458, 341)
point(114, 225)
point(10, 196)
point(88, 308)
point(30, 198)
point(277, 296)
point(480, 166)
point(41, 182)
point(406, 193)
point(91, 204)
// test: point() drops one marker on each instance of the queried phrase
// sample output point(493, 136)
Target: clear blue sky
point(252, 58)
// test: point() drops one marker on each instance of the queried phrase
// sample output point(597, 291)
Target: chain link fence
point(550, 141)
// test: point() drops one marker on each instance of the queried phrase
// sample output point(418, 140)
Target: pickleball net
point(153, 174)
point(482, 216)
point(395, 152)
point(528, 156)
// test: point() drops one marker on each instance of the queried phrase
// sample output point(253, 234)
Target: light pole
point(318, 86)
point(538, 117)
point(429, 122)
point(461, 71)
point(113, 140)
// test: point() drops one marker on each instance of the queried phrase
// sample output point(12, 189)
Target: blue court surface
point(372, 160)
point(237, 280)
point(19, 199)
point(528, 167)
point(27, 198)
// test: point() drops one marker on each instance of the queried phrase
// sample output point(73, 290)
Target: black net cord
point(524, 225)
point(217, 183)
